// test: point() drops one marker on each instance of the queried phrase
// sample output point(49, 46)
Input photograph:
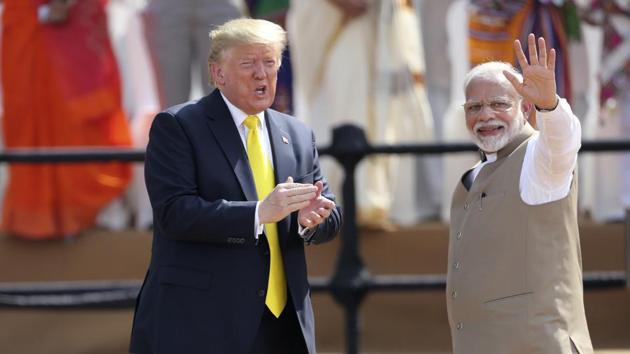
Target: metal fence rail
point(109, 154)
point(122, 293)
point(350, 282)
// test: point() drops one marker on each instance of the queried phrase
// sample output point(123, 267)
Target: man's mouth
point(261, 90)
point(490, 130)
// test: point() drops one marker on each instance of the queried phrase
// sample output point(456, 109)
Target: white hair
point(491, 71)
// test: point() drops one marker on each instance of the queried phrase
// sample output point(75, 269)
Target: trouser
point(281, 335)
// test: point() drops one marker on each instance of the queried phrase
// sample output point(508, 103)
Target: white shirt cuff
point(257, 225)
point(304, 232)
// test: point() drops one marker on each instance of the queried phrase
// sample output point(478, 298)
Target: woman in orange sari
point(61, 88)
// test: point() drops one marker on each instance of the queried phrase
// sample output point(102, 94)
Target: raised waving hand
point(539, 78)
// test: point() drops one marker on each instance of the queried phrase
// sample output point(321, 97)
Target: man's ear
point(217, 74)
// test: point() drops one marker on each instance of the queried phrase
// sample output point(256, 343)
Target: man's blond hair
point(246, 31)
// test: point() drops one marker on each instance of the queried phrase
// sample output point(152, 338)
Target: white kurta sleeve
point(551, 156)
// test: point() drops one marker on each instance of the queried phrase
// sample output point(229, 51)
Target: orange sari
point(491, 34)
point(61, 88)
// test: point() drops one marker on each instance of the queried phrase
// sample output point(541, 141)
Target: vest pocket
point(488, 200)
point(508, 309)
point(506, 299)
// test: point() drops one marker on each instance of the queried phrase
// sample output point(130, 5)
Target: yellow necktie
point(263, 177)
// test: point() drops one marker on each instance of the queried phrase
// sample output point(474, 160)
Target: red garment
point(61, 88)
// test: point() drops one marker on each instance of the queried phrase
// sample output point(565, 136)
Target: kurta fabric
point(367, 71)
point(262, 171)
point(514, 281)
point(61, 88)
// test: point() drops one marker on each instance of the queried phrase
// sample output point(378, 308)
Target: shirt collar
point(491, 157)
point(238, 115)
point(487, 157)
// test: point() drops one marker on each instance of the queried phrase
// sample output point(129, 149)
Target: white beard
point(495, 143)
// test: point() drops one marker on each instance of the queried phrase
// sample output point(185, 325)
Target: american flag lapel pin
point(285, 140)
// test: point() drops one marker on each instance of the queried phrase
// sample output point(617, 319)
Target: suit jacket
point(205, 288)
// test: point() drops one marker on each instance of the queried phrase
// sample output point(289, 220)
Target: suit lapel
point(225, 132)
point(283, 160)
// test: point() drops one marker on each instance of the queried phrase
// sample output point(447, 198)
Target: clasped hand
point(288, 197)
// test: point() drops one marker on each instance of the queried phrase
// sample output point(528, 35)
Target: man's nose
point(486, 113)
point(259, 71)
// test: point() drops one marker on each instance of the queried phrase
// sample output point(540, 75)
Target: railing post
point(627, 233)
point(348, 284)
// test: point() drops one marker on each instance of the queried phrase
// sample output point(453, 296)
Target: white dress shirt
point(550, 158)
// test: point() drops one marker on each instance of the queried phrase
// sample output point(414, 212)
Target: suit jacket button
point(261, 293)
point(460, 325)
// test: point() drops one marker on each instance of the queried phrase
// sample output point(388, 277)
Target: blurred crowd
point(95, 72)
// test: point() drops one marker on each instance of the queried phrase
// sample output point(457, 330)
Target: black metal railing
point(351, 280)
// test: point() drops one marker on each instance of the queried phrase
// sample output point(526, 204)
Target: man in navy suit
point(228, 272)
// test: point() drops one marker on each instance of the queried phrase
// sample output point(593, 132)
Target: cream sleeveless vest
point(514, 282)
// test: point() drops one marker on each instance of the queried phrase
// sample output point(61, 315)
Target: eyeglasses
point(498, 106)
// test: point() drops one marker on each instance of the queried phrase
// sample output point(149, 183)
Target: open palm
point(539, 78)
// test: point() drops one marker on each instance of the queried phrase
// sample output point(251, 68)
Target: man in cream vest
point(514, 282)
